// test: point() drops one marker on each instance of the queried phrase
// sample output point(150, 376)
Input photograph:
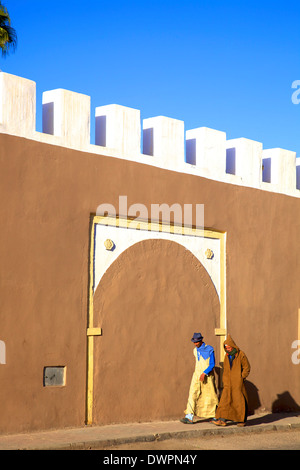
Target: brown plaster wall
point(47, 194)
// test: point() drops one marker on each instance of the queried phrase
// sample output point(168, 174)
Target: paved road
point(271, 440)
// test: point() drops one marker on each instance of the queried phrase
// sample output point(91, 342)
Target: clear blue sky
point(228, 65)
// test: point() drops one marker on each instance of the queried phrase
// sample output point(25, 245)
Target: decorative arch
point(116, 246)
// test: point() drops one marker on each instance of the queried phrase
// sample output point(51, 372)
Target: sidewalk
point(90, 437)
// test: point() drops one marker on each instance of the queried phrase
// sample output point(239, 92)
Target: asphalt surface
point(150, 434)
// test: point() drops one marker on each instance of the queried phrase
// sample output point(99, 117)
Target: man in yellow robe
point(202, 400)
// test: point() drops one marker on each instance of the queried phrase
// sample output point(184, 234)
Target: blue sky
point(228, 65)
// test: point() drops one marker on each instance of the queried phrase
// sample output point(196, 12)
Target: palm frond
point(8, 35)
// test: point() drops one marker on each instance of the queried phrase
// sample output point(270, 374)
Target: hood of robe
point(231, 343)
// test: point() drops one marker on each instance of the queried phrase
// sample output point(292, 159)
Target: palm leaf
point(8, 35)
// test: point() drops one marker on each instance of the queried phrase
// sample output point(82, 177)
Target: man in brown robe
point(233, 404)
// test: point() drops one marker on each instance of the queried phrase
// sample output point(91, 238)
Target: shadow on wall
point(218, 378)
point(253, 397)
point(283, 404)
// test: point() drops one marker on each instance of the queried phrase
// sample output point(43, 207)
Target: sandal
point(186, 421)
point(219, 422)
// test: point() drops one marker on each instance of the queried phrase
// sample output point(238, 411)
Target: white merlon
point(279, 169)
point(163, 137)
point(298, 173)
point(66, 114)
point(202, 151)
point(206, 149)
point(244, 159)
point(17, 105)
point(119, 128)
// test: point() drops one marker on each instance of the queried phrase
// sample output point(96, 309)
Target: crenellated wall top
point(159, 141)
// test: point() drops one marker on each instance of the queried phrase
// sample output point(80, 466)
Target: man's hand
point(202, 377)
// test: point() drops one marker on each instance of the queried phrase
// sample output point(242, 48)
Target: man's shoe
point(219, 422)
point(186, 421)
point(241, 424)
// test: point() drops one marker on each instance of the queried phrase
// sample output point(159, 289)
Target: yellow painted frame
point(92, 330)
